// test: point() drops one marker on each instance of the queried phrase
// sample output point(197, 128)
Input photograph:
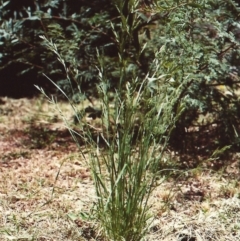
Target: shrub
point(201, 42)
point(201, 37)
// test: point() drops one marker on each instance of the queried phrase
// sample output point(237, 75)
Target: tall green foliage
point(199, 40)
point(126, 170)
point(191, 52)
point(77, 28)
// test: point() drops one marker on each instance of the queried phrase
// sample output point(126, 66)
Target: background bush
point(199, 40)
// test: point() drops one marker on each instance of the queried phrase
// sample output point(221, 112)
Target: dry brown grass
point(46, 189)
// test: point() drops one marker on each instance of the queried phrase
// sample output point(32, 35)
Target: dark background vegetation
point(78, 27)
point(202, 39)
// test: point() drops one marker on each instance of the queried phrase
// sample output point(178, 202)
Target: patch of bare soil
point(45, 184)
point(47, 193)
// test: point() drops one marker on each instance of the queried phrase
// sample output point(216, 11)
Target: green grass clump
point(127, 153)
point(136, 123)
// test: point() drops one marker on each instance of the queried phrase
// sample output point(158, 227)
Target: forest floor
point(47, 192)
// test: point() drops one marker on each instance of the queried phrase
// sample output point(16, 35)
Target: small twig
point(221, 54)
